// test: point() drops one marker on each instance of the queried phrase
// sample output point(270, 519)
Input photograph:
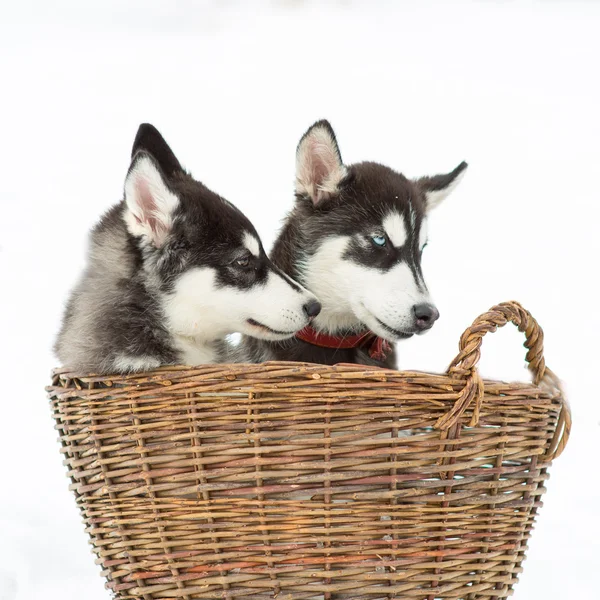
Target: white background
point(511, 87)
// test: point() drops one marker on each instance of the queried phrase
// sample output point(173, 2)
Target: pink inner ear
point(321, 164)
point(324, 162)
point(148, 206)
point(319, 171)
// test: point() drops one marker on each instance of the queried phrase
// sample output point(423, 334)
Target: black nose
point(312, 308)
point(426, 314)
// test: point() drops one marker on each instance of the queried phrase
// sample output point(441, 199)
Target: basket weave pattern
point(298, 481)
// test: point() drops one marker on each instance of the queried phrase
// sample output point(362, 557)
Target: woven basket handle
point(465, 365)
point(498, 316)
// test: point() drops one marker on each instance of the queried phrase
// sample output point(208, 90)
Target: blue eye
point(379, 240)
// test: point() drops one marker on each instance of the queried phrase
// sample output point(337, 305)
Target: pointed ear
point(150, 204)
point(319, 167)
point(148, 139)
point(436, 188)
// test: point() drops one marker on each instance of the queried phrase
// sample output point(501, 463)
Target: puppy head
point(362, 229)
point(204, 255)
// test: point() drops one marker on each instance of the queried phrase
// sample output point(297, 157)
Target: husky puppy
point(355, 238)
point(171, 270)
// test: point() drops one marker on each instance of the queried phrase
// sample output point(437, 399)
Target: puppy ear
point(148, 139)
point(150, 204)
point(319, 167)
point(436, 188)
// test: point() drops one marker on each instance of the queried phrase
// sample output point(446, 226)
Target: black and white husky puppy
point(355, 239)
point(171, 270)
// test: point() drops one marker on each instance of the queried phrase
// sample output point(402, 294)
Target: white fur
point(395, 229)
point(319, 169)
point(200, 311)
point(195, 350)
point(150, 204)
point(252, 244)
point(351, 294)
point(124, 363)
point(434, 198)
point(423, 234)
point(413, 217)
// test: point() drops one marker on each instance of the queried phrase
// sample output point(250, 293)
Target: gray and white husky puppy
point(171, 271)
point(355, 238)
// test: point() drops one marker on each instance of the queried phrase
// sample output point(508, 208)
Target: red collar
point(378, 348)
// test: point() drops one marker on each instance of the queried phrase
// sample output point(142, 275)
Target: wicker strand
point(302, 482)
point(562, 432)
point(465, 363)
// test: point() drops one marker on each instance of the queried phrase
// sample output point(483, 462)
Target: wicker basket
point(292, 480)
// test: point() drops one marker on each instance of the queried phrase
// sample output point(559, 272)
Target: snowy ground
point(511, 87)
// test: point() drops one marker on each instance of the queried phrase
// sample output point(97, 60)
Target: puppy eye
point(243, 262)
point(379, 240)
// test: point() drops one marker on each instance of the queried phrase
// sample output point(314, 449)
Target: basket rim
point(463, 369)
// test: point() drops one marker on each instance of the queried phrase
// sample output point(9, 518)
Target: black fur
point(367, 193)
point(148, 139)
point(116, 308)
point(207, 229)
